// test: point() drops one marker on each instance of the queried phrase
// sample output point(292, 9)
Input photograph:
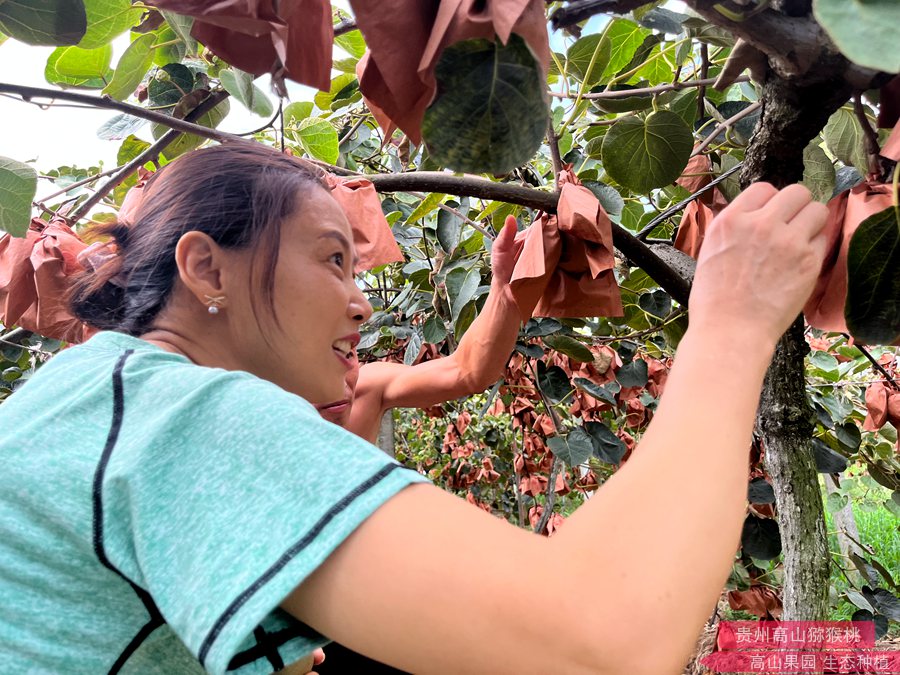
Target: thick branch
point(470, 186)
point(579, 10)
point(106, 102)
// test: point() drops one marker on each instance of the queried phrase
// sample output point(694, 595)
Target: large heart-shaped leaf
point(818, 172)
point(240, 85)
point(170, 85)
point(18, 185)
point(760, 491)
point(608, 447)
point(132, 67)
point(553, 382)
point(575, 448)
point(490, 112)
point(319, 138)
point(844, 138)
point(864, 30)
point(44, 22)
point(588, 58)
point(873, 283)
point(827, 460)
point(119, 126)
point(760, 538)
point(75, 59)
point(647, 154)
point(570, 347)
point(106, 19)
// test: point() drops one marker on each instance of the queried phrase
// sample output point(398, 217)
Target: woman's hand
point(305, 665)
point(759, 261)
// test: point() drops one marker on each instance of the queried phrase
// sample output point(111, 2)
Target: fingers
point(318, 656)
point(811, 220)
point(785, 205)
point(754, 197)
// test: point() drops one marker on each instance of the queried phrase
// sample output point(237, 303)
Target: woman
point(170, 502)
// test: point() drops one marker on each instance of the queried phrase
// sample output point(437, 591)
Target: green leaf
point(872, 309)
point(836, 501)
point(574, 448)
point(173, 51)
point(827, 460)
point(461, 287)
point(608, 196)
point(352, 43)
point(131, 147)
point(818, 172)
point(449, 228)
point(588, 58)
point(107, 19)
point(325, 99)
point(646, 154)
point(18, 185)
point(624, 38)
point(318, 138)
point(76, 60)
point(240, 85)
point(119, 126)
point(44, 22)
point(186, 142)
point(553, 382)
point(171, 83)
point(412, 348)
point(426, 206)
point(761, 538)
point(845, 139)
point(634, 374)
point(490, 113)
point(132, 67)
point(595, 390)
point(656, 303)
point(570, 347)
point(759, 491)
point(607, 446)
point(297, 112)
point(434, 329)
point(181, 25)
point(865, 31)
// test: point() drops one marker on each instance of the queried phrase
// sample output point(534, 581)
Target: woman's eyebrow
point(334, 234)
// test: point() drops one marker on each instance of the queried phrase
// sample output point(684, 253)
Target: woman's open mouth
point(344, 349)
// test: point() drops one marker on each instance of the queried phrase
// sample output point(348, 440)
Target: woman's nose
point(359, 308)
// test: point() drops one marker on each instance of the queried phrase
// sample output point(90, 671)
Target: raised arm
point(478, 360)
point(431, 585)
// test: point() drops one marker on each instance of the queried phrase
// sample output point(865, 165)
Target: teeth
point(344, 346)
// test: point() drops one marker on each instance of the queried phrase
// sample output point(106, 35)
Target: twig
point(672, 210)
point(871, 138)
point(352, 131)
point(877, 366)
point(27, 93)
point(270, 123)
point(625, 93)
point(150, 154)
point(753, 107)
point(550, 497)
point(704, 72)
point(455, 212)
point(553, 142)
point(579, 10)
point(79, 183)
point(345, 26)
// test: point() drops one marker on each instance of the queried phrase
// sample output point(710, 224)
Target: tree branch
point(877, 366)
point(28, 93)
point(579, 10)
point(625, 93)
point(150, 154)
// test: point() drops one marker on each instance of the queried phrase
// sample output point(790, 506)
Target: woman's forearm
point(671, 518)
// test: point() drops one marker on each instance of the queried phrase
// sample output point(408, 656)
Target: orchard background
point(622, 97)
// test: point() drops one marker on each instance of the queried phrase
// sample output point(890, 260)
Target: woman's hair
point(238, 194)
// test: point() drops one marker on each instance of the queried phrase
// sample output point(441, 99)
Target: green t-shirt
point(154, 513)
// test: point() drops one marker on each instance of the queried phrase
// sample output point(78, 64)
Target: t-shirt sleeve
point(221, 502)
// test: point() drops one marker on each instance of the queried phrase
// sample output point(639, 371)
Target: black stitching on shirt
point(289, 555)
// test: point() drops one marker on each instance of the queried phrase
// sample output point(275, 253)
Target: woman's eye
point(338, 259)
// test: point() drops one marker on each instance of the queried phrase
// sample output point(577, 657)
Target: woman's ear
point(201, 263)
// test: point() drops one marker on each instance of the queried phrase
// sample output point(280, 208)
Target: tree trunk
point(792, 115)
point(385, 439)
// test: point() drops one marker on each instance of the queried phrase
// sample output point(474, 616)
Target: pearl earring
point(213, 303)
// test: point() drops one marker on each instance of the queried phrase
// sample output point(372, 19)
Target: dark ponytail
point(238, 194)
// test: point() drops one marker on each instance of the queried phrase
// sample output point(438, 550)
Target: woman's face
point(318, 306)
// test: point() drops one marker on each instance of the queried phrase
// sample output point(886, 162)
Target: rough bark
point(385, 439)
point(792, 115)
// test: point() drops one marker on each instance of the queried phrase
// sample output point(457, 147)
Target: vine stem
point(550, 496)
point(727, 124)
point(28, 93)
point(658, 89)
point(877, 366)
